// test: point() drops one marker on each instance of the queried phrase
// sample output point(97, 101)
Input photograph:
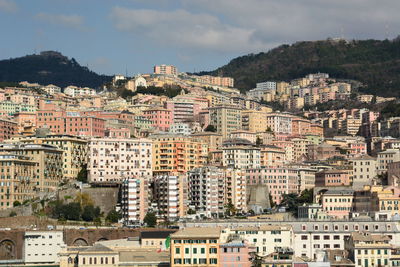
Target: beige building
point(368, 249)
point(226, 118)
point(166, 70)
point(364, 171)
point(75, 151)
point(17, 179)
point(195, 246)
point(213, 140)
point(48, 161)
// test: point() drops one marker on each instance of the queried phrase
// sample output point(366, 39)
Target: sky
point(119, 36)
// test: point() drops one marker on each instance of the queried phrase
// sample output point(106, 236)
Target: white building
point(240, 154)
point(134, 200)
point(271, 86)
point(113, 160)
point(180, 128)
point(79, 91)
point(265, 238)
point(207, 191)
point(280, 123)
point(42, 246)
point(51, 89)
point(170, 195)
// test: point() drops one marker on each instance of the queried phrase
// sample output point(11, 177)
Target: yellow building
point(195, 246)
point(215, 99)
point(254, 120)
point(386, 199)
point(75, 151)
point(174, 153)
point(17, 179)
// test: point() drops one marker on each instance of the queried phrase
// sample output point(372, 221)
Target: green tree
point(190, 211)
point(13, 214)
point(16, 203)
point(150, 219)
point(230, 209)
point(83, 174)
point(90, 213)
point(113, 216)
point(258, 141)
point(210, 128)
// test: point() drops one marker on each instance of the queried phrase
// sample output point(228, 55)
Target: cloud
point(70, 21)
point(257, 25)
point(8, 6)
point(184, 29)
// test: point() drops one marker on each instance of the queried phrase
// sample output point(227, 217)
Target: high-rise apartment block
point(166, 70)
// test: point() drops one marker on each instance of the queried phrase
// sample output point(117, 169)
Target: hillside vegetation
point(49, 68)
point(374, 63)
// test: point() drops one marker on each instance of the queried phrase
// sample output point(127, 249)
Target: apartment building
point(367, 249)
point(334, 177)
point(10, 108)
point(240, 154)
point(75, 91)
point(170, 194)
point(265, 238)
point(113, 160)
point(272, 156)
point(8, 129)
point(254, 120)
point(166, 70)
point(207, 191)
point(183, 109)
point(280, 123)
point(195, 246)
point(364, 171)
point(279, 180)
point(17, 179)
point(75, 150)
point(174, 153)
point(161, 118)
point(48, 161)
point(235, 189)
point(386, 157)
point(226, 118)
point(338, 204)
point(134, 200)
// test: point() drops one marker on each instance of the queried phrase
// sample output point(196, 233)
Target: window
point(177, 251)
point(336, 237)
point(202, 261)
point(194, 250)
point(304, 237)
point(213, 250)
point(202, 250)
point(316, 237)
point(177, 261)
point(213, 261)
point(186, 250)
point(327, 237)
point(187, 261)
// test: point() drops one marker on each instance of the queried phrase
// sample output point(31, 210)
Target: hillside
point(49, 68)
point(374, 63)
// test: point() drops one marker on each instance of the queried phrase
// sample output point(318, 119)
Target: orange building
point(177, 153)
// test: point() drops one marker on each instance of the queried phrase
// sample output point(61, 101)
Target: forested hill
point(375, 63)
point(49, 68)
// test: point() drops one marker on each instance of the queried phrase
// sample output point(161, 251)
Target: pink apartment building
point(279, 180)
point(235, 254)
point(338, 203)
point(113, 160)
point(162, 118)
point(332, 178)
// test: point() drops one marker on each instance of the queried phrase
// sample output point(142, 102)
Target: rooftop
point(198, 232)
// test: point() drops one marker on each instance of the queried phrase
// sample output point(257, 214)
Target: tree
point(13, 214)
point(190, 211)
point(271, 201)
point(113, 216)
point(258, 141)
point(230, 209)
point(16, 203)
point(72, 211)
point(150, 219)
point(90, 213)
point(210, 128)
point(83, 174)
